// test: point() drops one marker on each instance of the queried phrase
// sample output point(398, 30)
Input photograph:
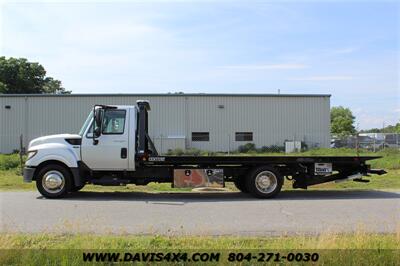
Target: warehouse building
point(213, 122)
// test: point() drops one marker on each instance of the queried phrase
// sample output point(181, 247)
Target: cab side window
point(113, 121)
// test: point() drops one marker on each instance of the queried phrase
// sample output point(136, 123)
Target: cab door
point(111, 150)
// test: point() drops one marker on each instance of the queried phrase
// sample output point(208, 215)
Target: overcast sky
point(348, 50)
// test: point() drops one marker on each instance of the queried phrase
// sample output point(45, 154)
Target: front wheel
point(264, 182)
point(53, 181)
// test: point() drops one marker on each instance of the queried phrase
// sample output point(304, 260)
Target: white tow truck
point(114, 148)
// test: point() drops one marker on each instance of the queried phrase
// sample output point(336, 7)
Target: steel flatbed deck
point(251, 160)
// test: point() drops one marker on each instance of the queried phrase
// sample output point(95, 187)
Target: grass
point(358, 240)
point(9, 161)
point(10, 180)
point(334, 249)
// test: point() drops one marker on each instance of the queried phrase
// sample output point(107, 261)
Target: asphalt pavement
point(222, 213)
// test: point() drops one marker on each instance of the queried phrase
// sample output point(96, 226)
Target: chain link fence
point(369, 141)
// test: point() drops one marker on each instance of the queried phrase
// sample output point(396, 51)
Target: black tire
point(77, 188)
point(58, 172)
point(241, 184)
point(264, 182)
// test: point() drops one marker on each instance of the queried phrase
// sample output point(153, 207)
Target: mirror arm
point(95, 141)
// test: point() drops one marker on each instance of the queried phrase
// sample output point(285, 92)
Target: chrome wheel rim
point(53, 181)
point(266, 182)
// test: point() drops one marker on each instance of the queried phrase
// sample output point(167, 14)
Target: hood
point(59, 138)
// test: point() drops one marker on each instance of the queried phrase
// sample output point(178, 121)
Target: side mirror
point(97, 117)
point(97, 132)
point(96, 125)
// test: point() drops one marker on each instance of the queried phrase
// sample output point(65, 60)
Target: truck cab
point(107, 143)
point(109, 149)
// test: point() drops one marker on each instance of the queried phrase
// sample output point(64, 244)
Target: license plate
point(323, 169)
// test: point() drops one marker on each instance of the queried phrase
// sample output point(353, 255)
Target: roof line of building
point(167, 94)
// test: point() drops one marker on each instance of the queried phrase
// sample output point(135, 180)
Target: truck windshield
point(86, 124)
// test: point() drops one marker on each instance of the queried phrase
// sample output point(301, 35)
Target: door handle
point(124, 153)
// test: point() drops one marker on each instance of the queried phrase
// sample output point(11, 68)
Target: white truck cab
point(111, 148)
point(110, 152)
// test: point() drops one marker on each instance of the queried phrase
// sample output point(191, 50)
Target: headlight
point(31, 154)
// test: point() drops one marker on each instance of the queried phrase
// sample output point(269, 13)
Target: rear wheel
point(264, 182)
point(53, 181)
point(240, 184)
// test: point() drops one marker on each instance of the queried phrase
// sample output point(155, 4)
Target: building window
point(200, 136)
point(244, 136)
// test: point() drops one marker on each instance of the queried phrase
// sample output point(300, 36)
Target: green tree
point(18, 76)
point(397, 128)
point(342, 121)
point(53, 86)
point(387, 129)
point(3, 87)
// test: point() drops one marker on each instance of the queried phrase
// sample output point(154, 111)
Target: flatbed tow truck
point(114, 148)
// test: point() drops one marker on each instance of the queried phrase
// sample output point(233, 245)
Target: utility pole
point(383, 133)
point(357, 142)
point(161, 140)
point(229, 144)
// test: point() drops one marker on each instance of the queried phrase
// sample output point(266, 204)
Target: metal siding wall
point(12, 123)
point(272, 119)
point(164, 144)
